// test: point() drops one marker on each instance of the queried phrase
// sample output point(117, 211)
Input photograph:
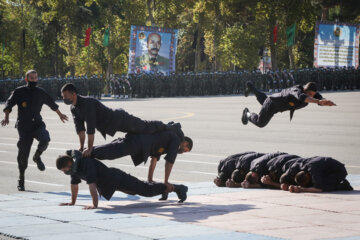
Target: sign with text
point(336, 45)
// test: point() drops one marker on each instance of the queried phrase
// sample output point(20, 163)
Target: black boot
point(181, 191)
point(21, 185)
point(164, 197)
point(37, 160)
point(345, 186)
point(244, 118)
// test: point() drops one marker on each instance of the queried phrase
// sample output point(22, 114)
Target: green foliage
point(213, 34)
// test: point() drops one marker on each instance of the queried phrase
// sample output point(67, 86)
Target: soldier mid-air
point(29, 123)
point(289, 99)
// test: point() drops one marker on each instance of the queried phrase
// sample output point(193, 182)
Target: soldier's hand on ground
point(294, 189)
point(66, 204)
point(5, 122)
point(245, 184)
point(284, 187)
point(86, 153)
point(217, 181)
point(230, 183)
point(63, 118)
point(325, 102)
point(89, 207)
point(266, 180)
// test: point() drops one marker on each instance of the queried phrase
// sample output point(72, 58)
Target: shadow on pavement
point(186, 212)
point(88, 196)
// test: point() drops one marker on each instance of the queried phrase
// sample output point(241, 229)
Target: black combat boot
point(37, 160)
point(181, 192)
point(164, 197)
point(244, 118)
point(21, 185)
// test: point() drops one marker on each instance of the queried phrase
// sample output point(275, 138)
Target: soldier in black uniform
point(258, 169)
point(106, 180)
point(105, 120)
point(275, 169)
point(321, 174)
point(29, 124)
point(242, 167)
point(290, 169)
point(226, 167)
point(291, 99)
point(142, 146)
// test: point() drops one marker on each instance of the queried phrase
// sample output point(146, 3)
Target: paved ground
point(214, 123)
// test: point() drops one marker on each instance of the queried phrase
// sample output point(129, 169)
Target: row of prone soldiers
point(282, 171)
point(144, 85)
point(92, 85)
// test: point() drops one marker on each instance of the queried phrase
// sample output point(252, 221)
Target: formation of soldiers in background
point(193, 84)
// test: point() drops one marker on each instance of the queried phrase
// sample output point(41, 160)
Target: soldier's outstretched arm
point(10, 103)
point(152, 168)
point(74, 194)
point(87, 152)
point(62, 116)
point(298, 189)
point(94, 196)
point(322, 102)
point(5, 121)
point(168, 168)
point(82, 140)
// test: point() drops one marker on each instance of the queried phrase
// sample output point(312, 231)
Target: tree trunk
point(56, 66)
point(197, 48)
point(324, 13)
point(216, 63)
point(291, 57)
point(21, 67)
point(150, 11)
point(272, 23)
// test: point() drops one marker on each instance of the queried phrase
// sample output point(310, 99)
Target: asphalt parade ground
point(214, 124)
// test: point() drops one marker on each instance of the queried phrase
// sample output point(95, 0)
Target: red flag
point(87, 37)
point(275, 31)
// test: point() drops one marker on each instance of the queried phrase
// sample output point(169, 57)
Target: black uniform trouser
point(331, 180)
point(133, 185)
point(128, 123)
point(267, 110)
point(26, 138)
point(118, 148)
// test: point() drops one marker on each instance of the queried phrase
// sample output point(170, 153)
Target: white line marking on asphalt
point(206, 155)
point(30, 165)
point(76, 145)
point(175, 170)
point(191, 161)
point(44, 183)
point(186, 115)
point(3, 151)
point(351, 166)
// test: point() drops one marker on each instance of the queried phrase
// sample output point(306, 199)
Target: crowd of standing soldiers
point(194, 84)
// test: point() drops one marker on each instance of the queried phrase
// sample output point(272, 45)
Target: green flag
point(290, 33)
point(106, 37)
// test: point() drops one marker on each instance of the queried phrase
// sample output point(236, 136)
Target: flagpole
point(2, 63)
point(88, 59)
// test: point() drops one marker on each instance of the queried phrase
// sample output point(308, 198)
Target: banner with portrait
point(152, 50)
point(336, 45)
